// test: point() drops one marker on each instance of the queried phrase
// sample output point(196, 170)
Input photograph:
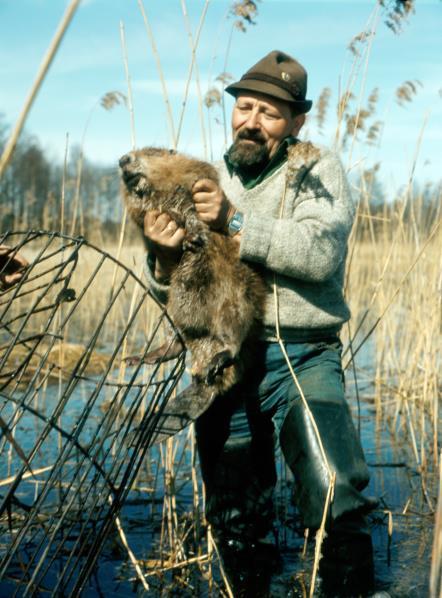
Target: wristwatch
point(235, 224)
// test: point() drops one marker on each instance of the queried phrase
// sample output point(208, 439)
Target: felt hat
point(277, 75)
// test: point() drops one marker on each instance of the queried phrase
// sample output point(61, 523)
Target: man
point(288, 207)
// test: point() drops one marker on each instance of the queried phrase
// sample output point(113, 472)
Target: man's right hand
point(166, 240)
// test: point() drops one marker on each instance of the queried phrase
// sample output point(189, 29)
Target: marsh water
point(401, 526)
point(402, 529)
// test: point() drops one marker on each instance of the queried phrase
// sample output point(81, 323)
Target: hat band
point(293, 87)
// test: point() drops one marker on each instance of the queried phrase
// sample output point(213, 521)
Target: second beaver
point(215, 300)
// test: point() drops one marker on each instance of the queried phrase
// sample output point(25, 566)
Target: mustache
point(250, 135)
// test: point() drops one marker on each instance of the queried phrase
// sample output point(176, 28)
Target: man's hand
point(166, 239)
point(211, 204)
point(12, 266)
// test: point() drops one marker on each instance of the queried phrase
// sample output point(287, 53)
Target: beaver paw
point(217, 365)
point(194, 242)
point(132, 360)
point(168, 350)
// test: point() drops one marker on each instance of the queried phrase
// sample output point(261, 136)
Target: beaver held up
point(215, 300)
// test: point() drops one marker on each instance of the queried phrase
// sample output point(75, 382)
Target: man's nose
point(253, 121)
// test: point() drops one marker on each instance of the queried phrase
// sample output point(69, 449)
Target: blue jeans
point(236, 441)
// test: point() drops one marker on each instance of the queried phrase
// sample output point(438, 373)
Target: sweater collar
point(275, 162)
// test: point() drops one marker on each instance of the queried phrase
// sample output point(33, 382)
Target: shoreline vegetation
point(392, 351)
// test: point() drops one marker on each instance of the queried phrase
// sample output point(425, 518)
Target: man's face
point(259, 124)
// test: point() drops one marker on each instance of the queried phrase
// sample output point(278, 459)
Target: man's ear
point(298, 123)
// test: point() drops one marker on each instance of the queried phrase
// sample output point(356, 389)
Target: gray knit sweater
point(296, 226)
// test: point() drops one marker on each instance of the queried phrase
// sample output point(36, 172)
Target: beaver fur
point(215, 300)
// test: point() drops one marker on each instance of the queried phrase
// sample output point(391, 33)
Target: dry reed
point(44, 67)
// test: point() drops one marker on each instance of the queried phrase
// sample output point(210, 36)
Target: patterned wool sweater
point(296, 226)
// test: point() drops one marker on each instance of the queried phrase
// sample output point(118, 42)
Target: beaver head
point(151, 177)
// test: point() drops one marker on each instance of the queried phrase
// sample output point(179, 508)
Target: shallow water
point(402, 560)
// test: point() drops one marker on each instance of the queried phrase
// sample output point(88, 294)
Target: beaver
point(215, 300)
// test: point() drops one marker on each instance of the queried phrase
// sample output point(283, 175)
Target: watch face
point(236, 223)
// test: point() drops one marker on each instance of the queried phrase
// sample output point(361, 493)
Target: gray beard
point(247, 156)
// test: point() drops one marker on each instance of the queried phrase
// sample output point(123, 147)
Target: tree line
point(38, 192)
point(83, 198)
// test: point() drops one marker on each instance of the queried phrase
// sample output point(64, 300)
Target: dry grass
point(61, 361)
point(94, 276)
point(394, 285)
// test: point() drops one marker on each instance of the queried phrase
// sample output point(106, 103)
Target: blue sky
point(89, 64)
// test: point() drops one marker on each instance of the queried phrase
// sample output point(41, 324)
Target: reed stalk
point(436, 557)
point(7, 481)
point(133, 140)
point(41, 74)
point(130, 103)
point(330, 472)
point(63, 185)
point(193, 46)
point(374, 27)
point(77, 199)
point(156, 55)
point(321, 534)
point(225, 579)
point(197, 83)
point(396, 292)
point(344, 96)
point(133, 559)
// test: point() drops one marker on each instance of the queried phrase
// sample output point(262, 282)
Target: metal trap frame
point(76, 420)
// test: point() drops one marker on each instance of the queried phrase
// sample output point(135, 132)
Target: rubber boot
point(304, 455)
point(239, 476)
point(346, 567)
point(249, 564)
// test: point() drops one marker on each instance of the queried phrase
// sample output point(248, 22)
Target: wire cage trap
point(76, 420)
